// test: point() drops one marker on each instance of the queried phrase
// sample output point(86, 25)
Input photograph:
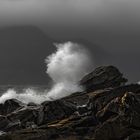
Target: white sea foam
point(29, 95)
point(66, 67)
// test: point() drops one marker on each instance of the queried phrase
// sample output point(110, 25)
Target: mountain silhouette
point(22, 53)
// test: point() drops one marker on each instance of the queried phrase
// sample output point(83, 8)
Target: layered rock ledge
point(108, 109)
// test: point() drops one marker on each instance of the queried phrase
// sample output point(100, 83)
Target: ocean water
point(24, 93)
point(22, 88)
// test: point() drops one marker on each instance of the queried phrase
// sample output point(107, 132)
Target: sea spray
point(29, 95)
point(66, 67)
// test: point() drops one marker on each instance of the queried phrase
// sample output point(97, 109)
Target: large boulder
point(25, 115)
point(10, 106)
point(103, 77)
point(56, 110)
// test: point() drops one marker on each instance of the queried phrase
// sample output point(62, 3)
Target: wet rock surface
point(109, 110)
point(103, 77)
point(10, 106)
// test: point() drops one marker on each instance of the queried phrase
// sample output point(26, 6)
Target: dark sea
point(22, 88)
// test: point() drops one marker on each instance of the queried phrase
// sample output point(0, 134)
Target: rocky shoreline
point(108, 109)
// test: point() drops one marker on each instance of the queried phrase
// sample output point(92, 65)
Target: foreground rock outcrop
point(103, 77)
point(108, 109)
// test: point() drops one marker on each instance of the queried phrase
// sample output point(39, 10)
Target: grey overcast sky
point(104, 13)
point(91, 19)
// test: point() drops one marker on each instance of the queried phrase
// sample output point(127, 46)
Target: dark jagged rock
point(25, 115)
point(109, 110)
point(32, 116)
point(103, 97)
point(56, 110)
point(9, 106)
point(125, 123)
point(31, 104)
point(103, 77)
point(3, 122)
